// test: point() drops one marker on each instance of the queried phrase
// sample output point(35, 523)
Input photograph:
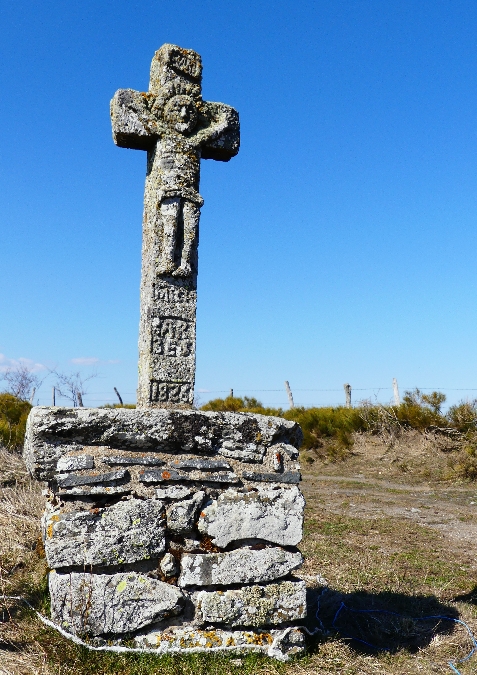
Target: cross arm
point(220, 140)
point(133, 124)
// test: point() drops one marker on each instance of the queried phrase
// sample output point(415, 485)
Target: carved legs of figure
point(170, 210)
point(190, 217)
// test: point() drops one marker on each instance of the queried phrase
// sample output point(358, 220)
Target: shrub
point(464, 464)
point(327, 431)
point(421, 411)
point(118, 405)
point(463, 416)
point(239, 404)
point(13, 417)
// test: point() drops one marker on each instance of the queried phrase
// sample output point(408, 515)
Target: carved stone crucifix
point(178, 129)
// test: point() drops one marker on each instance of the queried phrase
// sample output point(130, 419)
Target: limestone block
point(181, 516)
point(168, 565)
point(55, 432)
point(254, 605)
point(173, 492)
point(167, 474)
point(75, 463)
point(286, 477)
point(286, 448)
point(242, 566)
point(133, 460)
point(126, 532)
point(204, 465)
point(280, 644)
point(250, 452)
point(110, 603)
point(272, 513)
point(72, 480)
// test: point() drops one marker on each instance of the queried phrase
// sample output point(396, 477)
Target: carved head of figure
point(180, 113)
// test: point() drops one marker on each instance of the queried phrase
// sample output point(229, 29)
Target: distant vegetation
point(328, 431)
point(13, 416)
point(118, 405)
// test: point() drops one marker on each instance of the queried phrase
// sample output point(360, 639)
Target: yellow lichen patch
point(121, 586)
point(49, 529)
point(213, 640)
point(259, 639)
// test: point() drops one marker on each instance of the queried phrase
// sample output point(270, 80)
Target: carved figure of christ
point(178, 129)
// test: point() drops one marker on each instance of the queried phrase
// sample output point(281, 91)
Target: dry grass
point(369, 558)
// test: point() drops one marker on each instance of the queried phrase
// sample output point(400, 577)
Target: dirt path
point(450, 509)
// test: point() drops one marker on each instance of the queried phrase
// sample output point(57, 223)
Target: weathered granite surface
point(98, 604)
point(126, 532)
point(178, 129)
point(254, 605)
point(181, 516)
point(272, 513)
point(242, 566)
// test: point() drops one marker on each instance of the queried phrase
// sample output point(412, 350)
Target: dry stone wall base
point(202, 551)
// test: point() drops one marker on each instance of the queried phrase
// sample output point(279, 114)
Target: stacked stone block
point(176, 527)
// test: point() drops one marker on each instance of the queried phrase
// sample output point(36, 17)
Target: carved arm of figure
point(220, 140)
point(134, 125)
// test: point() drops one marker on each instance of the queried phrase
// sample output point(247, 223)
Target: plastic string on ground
point(272, 651)
point(452, 664)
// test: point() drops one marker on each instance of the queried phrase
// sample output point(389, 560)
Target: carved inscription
point(173, 294)
point(173, 337)
point(183, 60)
point(170, 392)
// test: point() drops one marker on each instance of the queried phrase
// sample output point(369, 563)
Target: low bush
point(118, 405)
point(239, 404)
point(13, 417)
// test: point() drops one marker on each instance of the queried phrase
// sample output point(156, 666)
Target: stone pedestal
point(179, 527)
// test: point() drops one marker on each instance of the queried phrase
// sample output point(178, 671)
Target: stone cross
point(178, 129)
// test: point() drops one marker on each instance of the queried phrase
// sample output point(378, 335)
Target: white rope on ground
point(272, 650)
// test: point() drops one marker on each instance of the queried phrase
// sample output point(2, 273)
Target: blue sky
point(338, 246)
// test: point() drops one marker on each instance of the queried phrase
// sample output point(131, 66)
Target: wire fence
point(277, 397)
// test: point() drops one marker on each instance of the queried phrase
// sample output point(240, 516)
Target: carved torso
point(173, 168)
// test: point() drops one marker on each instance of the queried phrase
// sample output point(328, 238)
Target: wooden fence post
point(231, 395)
point(80, 399)
point(53, 396)
point(347, 388)
point(397, 398)
point(289, 393)
point(118, 395)
point(33, 392)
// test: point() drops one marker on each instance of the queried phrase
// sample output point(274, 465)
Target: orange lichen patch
point(259, 639)
point(49, 529)
point(166, 475)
